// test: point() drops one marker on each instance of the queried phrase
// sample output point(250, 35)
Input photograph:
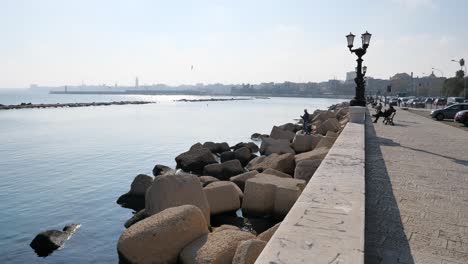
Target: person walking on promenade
point(305, 122)
point(387, 113)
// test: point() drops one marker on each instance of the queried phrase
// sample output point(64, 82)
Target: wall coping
point(326, 224)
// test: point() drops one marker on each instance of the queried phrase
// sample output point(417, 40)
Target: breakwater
point(30, 105)
point(212, 100)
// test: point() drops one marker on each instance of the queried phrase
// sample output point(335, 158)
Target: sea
point(69, 165)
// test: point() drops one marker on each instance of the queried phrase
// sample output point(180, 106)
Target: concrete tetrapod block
point(276, 173)
point(304, 143)
point(331, 124)
point(175, 190)
point(267, 194)
point(284, 163)
point(278, 146)
point(240, 179)
point(224, 170)
point(248, 251)
point(195, 159)
point(326, 142)
point(223, 196)
point(161, 237)
point(317, 153)
point(305, 169)
point(267, 234)
point(278, 133)
point(205, 180)
point(214, 248)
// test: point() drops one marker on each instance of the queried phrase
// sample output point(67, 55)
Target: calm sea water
point(60, 166)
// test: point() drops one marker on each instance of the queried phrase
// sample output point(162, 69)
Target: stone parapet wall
point(326, 224)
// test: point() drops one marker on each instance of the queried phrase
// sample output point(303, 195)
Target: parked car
point(454, 100)
point(393, 101)
point(462, 117)
point(429, 100)
point(440, 101)
point(448, 112)
point(418, 103)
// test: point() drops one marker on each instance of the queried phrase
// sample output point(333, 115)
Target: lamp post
point(359, 99)
point(462, 64)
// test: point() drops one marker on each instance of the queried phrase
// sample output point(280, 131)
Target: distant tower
point(136, 82)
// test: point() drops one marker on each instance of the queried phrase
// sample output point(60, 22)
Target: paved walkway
point(416, 192)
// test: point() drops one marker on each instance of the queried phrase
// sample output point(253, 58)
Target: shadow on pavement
point(385, 239)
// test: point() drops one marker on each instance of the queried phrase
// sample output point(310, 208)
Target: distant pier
point(30, 105)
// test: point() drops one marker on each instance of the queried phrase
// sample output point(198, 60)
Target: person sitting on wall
point(387, 113)
point(305, 122)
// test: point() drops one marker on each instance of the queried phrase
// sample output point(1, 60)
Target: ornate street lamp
point(359, 99)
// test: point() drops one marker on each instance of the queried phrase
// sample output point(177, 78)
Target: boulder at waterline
point(223, 196)
point(278, 133)
point(320, 115)
point(317, 153)
point(216, 147)
point(195, 159)
point(341, 113)
point(135, 198)
point(243, 155)
point(305, 169)
point(303, 143)
point(278, 146)
point(161, 237)
point(224, 170)
point(218, 247)
point(276, 173)
point(258, 136)
point(240, 179)
point(271, 195)
point(266, 235)
point(291, 127)
point(248, 251)
point(331, 134)
point(176, 190)
point(205, 180)
point(162, 170)
point(227, 155)
point(250, 145)
point(46, 242)
point(284, 163)
point(138, 216)
point(330, 124)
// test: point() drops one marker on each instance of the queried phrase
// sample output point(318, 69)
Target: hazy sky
point(57, 42)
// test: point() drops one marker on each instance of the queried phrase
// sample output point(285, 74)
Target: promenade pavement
point(416, 191)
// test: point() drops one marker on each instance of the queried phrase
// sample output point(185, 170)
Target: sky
point(70, 42)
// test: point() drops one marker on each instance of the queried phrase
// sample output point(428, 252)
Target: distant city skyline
point(54, 43)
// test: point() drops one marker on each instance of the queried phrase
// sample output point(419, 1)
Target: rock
point(248, 251)
point(162, 170)
point(278, 133)
point(252, 146)
point(331, 124)
point(176, 190)
point(205, 180)
point(240, 179)
point(341, 113)
point(304, 143)
point(326, 142)
point(291, 127)
point(305, 169)
point(266, 236)
point(271, 195)
point(320, 116)
point(223, 196)
point(227, 155)
point(279, 146)
point(284, 163)
point(317, 153)
point(331, 134)
point(224, 170)
point(140, 215)
point(218, 247)
point(211, 146)
point(195, 159)
point(258, 136)
point(243, 155)
point(222, 147)
point(135, 198)
point(225, 227)
point(46, 242)
point(161, 237)
point(276, 173)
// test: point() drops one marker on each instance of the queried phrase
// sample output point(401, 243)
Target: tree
point(460, 74)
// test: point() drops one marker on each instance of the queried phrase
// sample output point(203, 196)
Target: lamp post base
point(356, 102)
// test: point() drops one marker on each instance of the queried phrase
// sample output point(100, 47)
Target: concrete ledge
point(326, 224)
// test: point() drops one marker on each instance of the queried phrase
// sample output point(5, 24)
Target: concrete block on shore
point(284, 163)
point(278, 133)
point(223, 196)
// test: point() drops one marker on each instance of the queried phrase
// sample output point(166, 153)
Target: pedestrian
point(305, 122)
point(387, 113)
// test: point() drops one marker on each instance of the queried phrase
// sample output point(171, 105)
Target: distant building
point(350, 76)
